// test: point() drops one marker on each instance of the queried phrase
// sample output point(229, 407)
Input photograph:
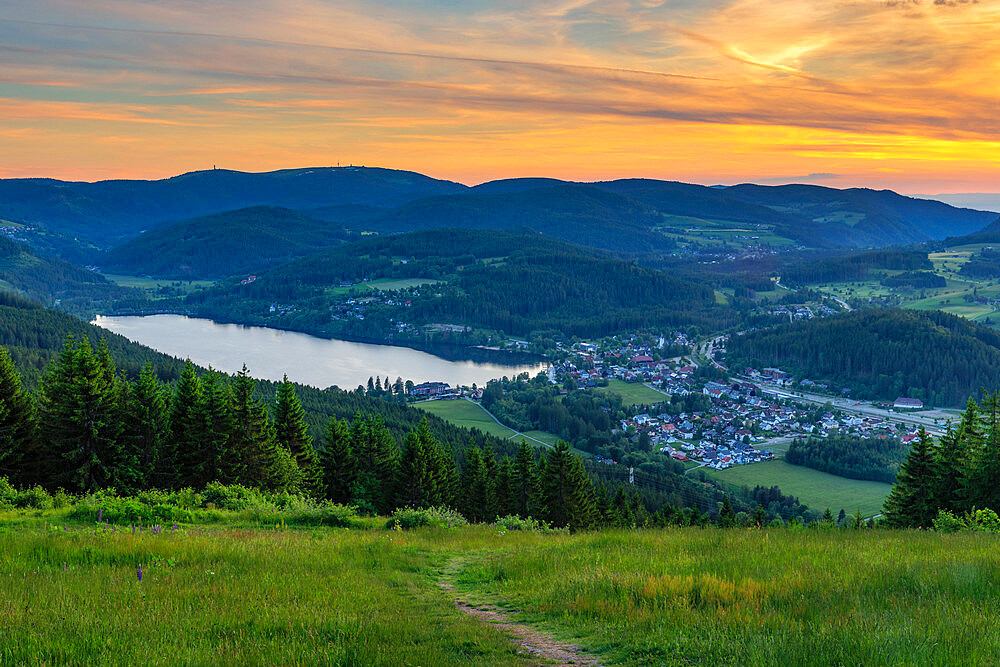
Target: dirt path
point(531, 641)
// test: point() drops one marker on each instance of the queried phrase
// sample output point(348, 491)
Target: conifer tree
point(17, 423)
point(567, 492)
point(146, 426)
point(252, 445)
point(375, 451)
point(477, 487)
point(340, 468)
point(188, 454)
point(525, 482)
point(221, 466)
point(292, 433)
point(911, 502)
point(950, 488)
point(80, 421)
point(420, 476)
point(505, 491)
point(984, 483)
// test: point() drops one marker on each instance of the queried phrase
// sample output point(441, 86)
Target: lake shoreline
point(317, 361)
point(447, 351)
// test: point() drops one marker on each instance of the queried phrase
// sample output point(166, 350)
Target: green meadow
point(633, 393)
point(70, 593)
point(819, 490)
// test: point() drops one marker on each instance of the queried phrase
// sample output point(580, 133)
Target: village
point(726, 423)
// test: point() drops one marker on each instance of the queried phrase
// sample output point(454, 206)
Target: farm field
point(818, 490)
point(221, 595)
point(384, 284)
point(156, 283)
point(467, 414)
point(633, 393)
point(470, 415)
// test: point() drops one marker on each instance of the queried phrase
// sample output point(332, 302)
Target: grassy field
point(633, 393)
point(818, 490)
point(384, 284)
point(157, 283)
point(218, 595)
point(470, 415)
point(467, 414)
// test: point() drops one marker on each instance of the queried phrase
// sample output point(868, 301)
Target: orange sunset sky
point(899, 94)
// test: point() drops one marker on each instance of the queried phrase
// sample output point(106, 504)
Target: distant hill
point(576, 213)
point(881, 354)
point(249, 240)
point(865, 217)
point(46, 279)
point(110, 211)
point(515, 281)
point(628, 215)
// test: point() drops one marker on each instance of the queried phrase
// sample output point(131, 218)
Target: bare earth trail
point(547, 649)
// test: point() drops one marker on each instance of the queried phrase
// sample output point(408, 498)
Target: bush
point(514, 522)
point(7, 493)
point(233, 497)
point(35, 497)
point(406, 518)
point(979, 521)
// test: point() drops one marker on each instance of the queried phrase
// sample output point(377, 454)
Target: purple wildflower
point(139, 572)
point(100, 515)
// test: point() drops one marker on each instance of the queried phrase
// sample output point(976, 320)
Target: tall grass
point(757, 597)
point(212, 594)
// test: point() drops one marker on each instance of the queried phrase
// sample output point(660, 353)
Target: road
point(847, 405)
point(516, 433)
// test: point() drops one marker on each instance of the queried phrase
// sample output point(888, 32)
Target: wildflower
point(139, 572)
point(100, 515)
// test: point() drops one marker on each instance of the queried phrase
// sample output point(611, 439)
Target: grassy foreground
point(223, 595)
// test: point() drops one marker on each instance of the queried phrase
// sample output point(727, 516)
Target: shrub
point(946, 522)
point(514, 522)
point(233, 497)
point(8, 493)
point(36, 497)
point(442, 517)
point(976, 520)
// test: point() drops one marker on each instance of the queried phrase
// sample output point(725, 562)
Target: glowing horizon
point(900, 94)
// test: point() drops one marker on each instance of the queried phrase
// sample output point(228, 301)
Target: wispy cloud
point(676, 88)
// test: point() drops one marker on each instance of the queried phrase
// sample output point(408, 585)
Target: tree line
point(876, 459)
point(958, 473)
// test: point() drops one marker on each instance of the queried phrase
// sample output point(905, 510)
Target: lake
point(319, 362)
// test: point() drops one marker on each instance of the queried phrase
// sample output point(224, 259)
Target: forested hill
point(881, 354)
point(46, 279)
point(108, 211)
point(624, 215)
point(869, 217)
point(577, 213)
point(245, 241)
point(517, 282)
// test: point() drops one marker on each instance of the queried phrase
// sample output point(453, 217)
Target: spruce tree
point(340, 468)
point(567, 492)
point(292, 433)
point(222, 465)
point(147, 426)
point(188, 454)
point(477, 491)
point(525, 482)
point(17, 423)
point(911, 503)
point(251, 445)
point(80, 421)
point(417, 476)
point(505, 490)
point(984, 483)
point(376, 453)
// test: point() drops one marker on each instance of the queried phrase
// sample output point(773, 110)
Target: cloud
point(679, 85)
